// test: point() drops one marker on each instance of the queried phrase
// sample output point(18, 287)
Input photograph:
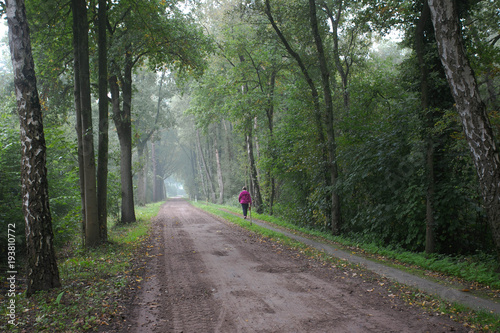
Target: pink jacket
point(244, 197)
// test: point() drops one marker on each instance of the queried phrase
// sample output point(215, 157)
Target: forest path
point(451, 294)
point(204, 275)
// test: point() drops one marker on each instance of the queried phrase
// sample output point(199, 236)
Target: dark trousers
point(245, 208)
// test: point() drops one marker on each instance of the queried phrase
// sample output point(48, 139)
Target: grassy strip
point(92, 282)
point(479, 321)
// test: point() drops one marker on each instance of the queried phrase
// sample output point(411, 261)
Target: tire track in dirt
point(205, 275)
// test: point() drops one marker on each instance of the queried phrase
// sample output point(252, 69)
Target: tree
point(321, 115)
point(84, 122)
point(336, 217)
point(421, 32)
point(150, 115)
point(102, 159)
point(43, 273)
point(471, 108)
point(206, 170)
point(158, 31)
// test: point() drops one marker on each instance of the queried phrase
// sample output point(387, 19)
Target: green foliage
point(64, 190)
point(10, 177)
point(159, 31)
point(62, 176)
point(381, 134)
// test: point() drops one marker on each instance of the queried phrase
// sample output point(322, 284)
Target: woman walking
point(245, 200)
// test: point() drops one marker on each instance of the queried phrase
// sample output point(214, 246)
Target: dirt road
point(204, 275)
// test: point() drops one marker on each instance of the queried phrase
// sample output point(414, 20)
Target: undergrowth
point(92, 281)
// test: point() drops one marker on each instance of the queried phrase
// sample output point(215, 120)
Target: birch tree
point(42, 266)
point(471, 108)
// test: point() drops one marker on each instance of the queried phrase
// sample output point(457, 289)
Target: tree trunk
point(210, 184)
point(103, 154)
point(78, 126)
point(128, 207)
point(344, 74)
point(471, 108)
point(229, 146)
point(192, 159)
point(92, 233)
point(125, 146)
point(161, 189)
point(141, 180)
point(336, 218)
point(203, 184)
point(257, 197)
point(42, 266)
point(430, 233)
point(219, 170)
point(270, 122)
point(147, 167)
point(153, 163)
point(420, 32)
point(123, 124)
point(158, 181)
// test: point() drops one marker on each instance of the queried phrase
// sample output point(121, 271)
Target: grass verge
point(477, 321)
point(92, 282)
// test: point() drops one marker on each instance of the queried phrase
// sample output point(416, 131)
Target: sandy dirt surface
point(201, 274)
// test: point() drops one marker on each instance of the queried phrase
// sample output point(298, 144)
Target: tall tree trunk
point(270, 122)
point(420, 32)
point(229, 150)
point(154, 165)
point(128, 208)
point(92, 233)
point(141, 180)
point(219, 170)
point(161, 188)
point(204, 186)
point(103, 150)
point(336, 218)
point(42, 265)
point(78, 126)
point(430, 233)
point(210, 184)
point(158, 181)
point(147, 167)
point(255, 186)
point(471, 108)
point(192, 159)
point(254, 173)
point(122, 119)
point(344, 73)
